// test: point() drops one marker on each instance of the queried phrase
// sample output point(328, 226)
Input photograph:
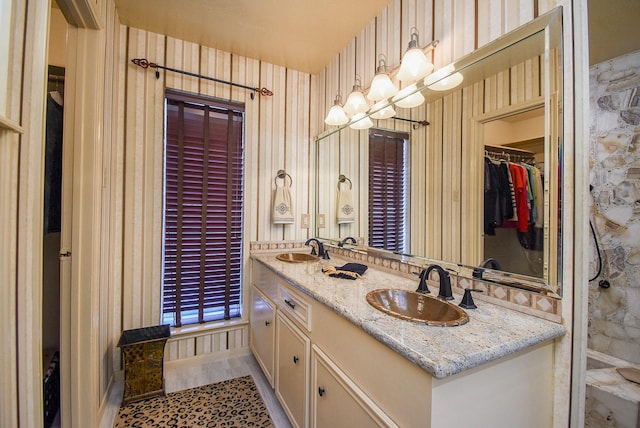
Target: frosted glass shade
point(356, 103)
point(336, 116)
point(382, 88)
point(447, 83)
point(402, 99)
point(443, 79)
point(360, 121)
point(414, 66)
point(382, 112)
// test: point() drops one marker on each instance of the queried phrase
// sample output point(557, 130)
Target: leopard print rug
point(231, 403)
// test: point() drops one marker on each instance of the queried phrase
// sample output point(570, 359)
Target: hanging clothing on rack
point(519, 177)
point(53, 166)
point(514, 196)
point(510, 204)
point(538, 198)
point(497, 196)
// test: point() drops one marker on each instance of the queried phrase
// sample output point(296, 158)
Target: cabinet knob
point(320, 391)
point(267, 323)
point(295, 359)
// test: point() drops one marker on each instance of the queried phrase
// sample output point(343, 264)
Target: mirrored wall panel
point(470, 178)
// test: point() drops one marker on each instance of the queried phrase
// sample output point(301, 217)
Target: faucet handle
point(313, 251)
point(422, 285)
point(467, 299)
point(326, 255)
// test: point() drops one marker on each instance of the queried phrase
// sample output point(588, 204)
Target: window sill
point(199, 329)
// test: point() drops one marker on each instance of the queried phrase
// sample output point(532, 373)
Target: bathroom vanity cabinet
point(327, 370)
point(312, 389)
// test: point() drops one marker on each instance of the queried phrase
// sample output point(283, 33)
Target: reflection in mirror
point(513, 195)
point(513, 82)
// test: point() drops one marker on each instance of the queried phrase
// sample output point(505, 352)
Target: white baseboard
point(109, 409)
point(199, 360)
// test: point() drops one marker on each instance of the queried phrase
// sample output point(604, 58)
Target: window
point(388, 190)
point(203, 197)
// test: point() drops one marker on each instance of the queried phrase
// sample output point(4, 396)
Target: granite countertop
point(492, 332)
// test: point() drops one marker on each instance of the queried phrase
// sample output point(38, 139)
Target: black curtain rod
point(144, 63)
point(416, 123)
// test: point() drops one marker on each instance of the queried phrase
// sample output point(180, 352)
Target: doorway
point(53, 217)
point(51, 245)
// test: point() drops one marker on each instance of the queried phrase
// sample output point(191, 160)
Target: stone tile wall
point(614, 313)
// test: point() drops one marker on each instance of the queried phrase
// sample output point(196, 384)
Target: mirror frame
point(548, 27)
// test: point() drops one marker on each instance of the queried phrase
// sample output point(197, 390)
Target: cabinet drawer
point(294, 305)
point(264, 280)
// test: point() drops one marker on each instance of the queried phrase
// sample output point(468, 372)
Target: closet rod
point(144, 63)
point(514, 151)
point(518, 155)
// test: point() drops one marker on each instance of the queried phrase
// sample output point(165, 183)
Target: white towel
point(346, 212)
point(282, 205)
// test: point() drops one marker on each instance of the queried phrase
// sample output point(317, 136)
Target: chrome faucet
point(346, 240)
point(445, 282)
point(321, 252)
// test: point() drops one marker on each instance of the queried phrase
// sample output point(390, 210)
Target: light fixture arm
point(414, 40)
point(357, 83)
point(382, 64)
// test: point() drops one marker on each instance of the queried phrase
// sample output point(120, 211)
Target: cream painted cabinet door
point(292, 370)
point(263, 329)
point(337, 401)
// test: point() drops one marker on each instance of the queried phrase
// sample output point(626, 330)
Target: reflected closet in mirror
point(513, 193)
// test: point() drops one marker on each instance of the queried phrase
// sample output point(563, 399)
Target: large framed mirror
point(420, 183)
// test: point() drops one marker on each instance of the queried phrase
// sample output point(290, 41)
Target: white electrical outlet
point(320, 220)
point(304, 221)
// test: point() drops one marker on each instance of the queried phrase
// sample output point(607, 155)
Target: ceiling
point(303, 35)
point(614, 29)
point(306, 35)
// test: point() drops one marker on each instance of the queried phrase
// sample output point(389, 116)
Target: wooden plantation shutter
point(388, 194)
point(202, 257)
